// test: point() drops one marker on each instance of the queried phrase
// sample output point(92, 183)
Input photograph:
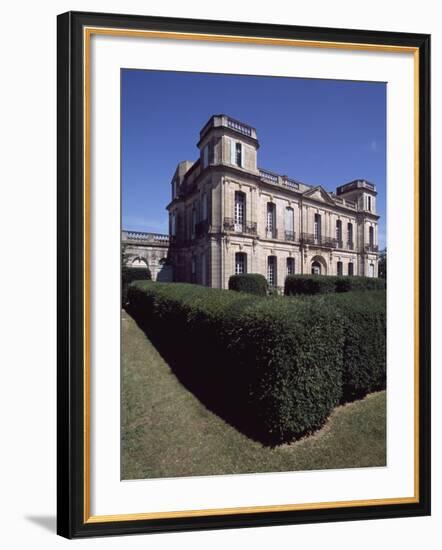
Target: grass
point(167, 432)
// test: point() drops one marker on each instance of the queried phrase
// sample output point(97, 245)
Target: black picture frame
point(72, 393)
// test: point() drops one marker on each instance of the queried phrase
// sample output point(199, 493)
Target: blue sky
point(322, 132)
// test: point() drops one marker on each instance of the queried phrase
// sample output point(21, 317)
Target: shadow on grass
point(222, 388)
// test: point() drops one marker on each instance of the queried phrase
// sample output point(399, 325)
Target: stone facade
point(148, 249)
point(228, 216)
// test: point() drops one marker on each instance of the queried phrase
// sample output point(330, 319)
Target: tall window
point(203, 269)
point(240, 210)
point(238, 154)
point(271, 220)
point(206, 156)
point(339, 233)
point(173, 224)
point(235, 153)
point(193, 223)
point(350, 236)
point(193, 267)
point(369, 203)
point(350, 269)
point(204, 207)
point(289, 224)
point(339, 268)
point(371, 236)
point(271, 270)
point(317, 228)
point(371, 270)
point(290, 266)
point(240, 263)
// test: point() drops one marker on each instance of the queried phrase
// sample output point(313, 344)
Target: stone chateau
point(229, 216)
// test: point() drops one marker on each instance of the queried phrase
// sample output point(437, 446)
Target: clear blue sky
point(322, 132)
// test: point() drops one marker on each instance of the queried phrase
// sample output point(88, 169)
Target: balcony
point(318, 240)
point(339, 243)
point(244, 228)
point(140, 237)
point(290, 235)
point(371, 248)
point(276, 179)
point(271, 233)
point(350, 245)
point(239, 127)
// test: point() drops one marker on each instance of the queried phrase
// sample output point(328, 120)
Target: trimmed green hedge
point(253, 283)
point(324, 284)
point(275, 367)
point(130, 274)
point(309, 284)
point(364, 355)
point(347, 284)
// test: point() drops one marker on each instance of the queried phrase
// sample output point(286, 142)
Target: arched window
point(339, 268)
point(339, 233)
point(240, 211)
point(290, 266)
point(371, 270)
point(289, 224)
point(240, 263)
point(271, 271)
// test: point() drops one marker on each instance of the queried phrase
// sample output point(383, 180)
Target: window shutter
point(232, 151)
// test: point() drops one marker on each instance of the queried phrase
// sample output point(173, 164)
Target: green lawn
point(167, 432)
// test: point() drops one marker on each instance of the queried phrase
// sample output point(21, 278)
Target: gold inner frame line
point(87, 33)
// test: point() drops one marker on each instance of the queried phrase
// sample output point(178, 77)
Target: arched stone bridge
point(151, 249)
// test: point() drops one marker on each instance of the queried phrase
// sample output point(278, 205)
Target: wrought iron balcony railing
point(290, 235)
point(318, 240)
point(271, 233)
point(246, 228)
point(371, 248)
point(350, 245)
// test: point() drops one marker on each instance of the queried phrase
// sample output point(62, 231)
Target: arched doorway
point(318, 266)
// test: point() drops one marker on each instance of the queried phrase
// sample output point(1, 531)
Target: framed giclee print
point(232, 349)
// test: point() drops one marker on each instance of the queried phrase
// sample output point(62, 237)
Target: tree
point(383, 264)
